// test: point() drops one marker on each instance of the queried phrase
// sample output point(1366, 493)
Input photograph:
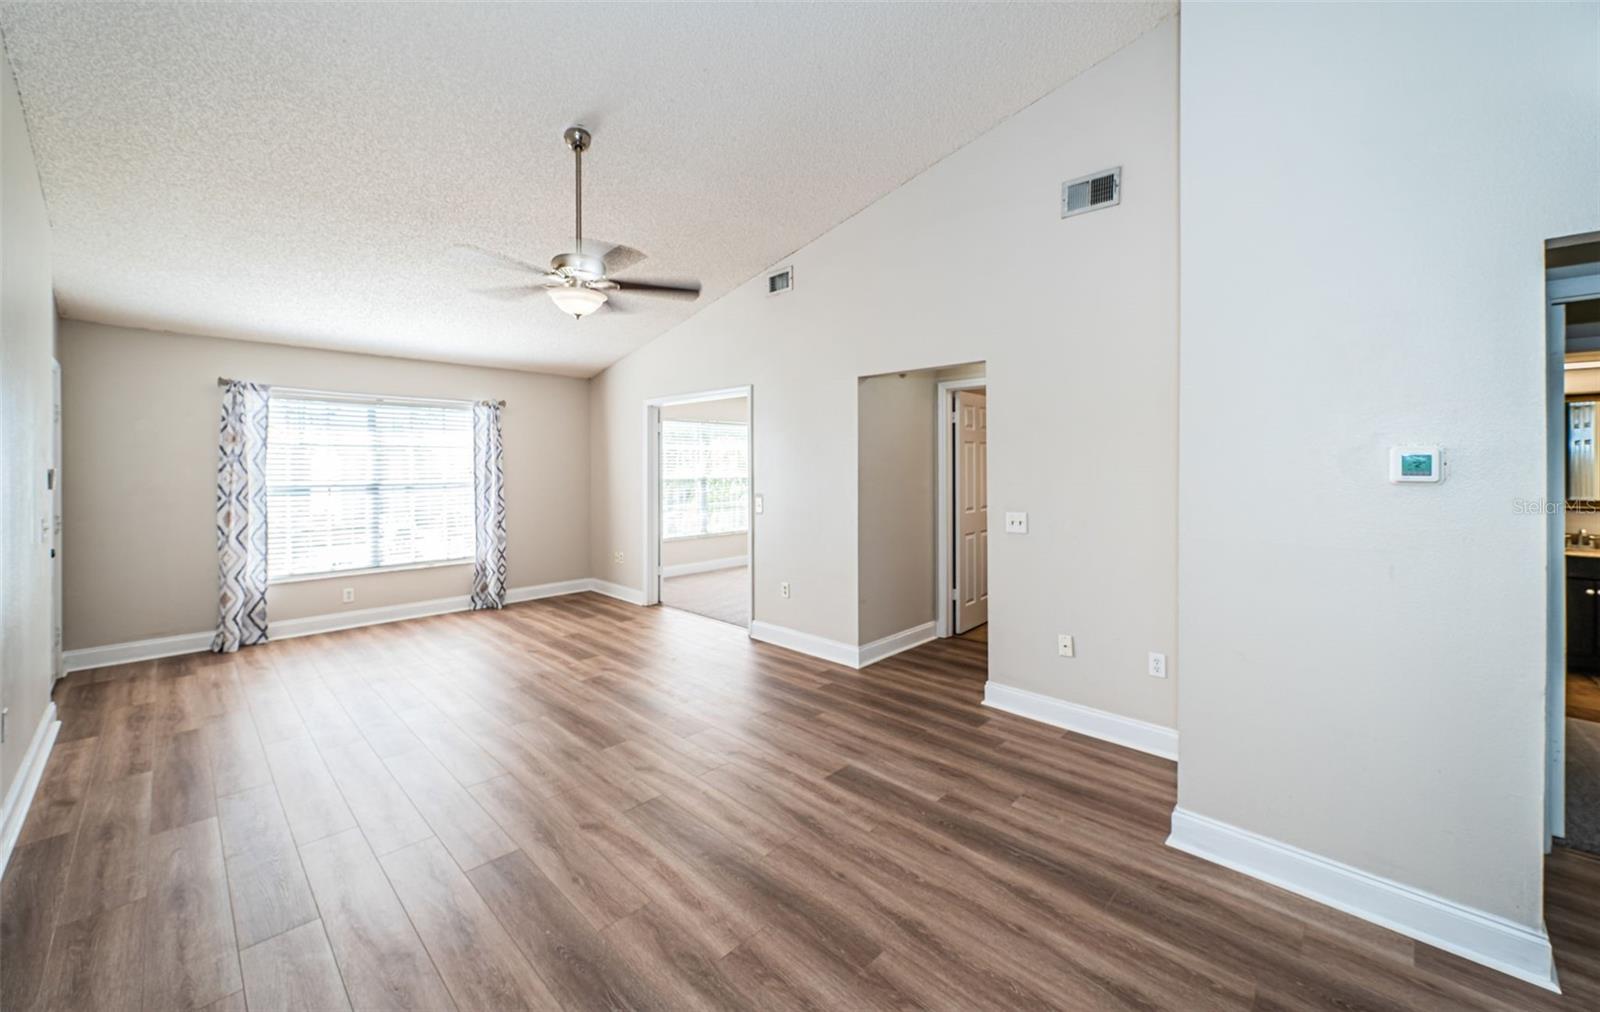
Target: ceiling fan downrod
point(577, 139)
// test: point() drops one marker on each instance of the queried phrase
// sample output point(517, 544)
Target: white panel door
point(972, 511)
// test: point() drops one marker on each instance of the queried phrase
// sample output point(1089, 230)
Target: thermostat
point(1416, 463)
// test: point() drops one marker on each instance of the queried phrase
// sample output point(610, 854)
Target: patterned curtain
point(488, 479)
point(242, 517)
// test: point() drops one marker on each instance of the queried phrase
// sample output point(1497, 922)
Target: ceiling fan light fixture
point(576, 300)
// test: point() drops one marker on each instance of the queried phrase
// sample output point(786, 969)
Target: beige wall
point(140, 430)
point(896, 479)
point(1080, 337)
point(729, 409)
point(1365, 679)
point(686, 551)
point(27, 336)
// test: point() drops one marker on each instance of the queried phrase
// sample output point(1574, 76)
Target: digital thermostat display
point(1415, 463)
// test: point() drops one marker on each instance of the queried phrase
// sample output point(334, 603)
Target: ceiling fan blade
point(689, 291)
point(616, 256)
point(509, 293)
point(477, 256)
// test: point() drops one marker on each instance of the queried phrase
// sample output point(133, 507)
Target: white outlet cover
point(761, 504)
point(1016, 523)
point(1158, 665)
point(1065, 646)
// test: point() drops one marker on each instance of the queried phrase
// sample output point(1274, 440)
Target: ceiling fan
point(579, 282)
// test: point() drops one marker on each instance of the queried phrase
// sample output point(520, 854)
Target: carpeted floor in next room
point(722, 594)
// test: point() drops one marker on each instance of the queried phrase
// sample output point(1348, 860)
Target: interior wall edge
point(19, 797)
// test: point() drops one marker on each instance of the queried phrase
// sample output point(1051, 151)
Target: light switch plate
point(1064, 646)
point(761, 504)
point(1016, 523)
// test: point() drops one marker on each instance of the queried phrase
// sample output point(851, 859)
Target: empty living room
point(495, 506)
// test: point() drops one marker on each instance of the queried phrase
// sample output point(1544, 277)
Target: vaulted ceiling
point(295, 173)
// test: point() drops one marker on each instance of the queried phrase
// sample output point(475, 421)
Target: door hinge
point(5, 712)
point(955, 593)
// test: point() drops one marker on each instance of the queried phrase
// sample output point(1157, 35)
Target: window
point(362, 484)
point(705, 478)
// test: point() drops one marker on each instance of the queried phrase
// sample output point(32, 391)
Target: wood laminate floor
point(1583, 696)
point(580, 804)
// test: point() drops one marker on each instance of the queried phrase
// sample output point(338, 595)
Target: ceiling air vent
point(780, 281)
point(1092, 192)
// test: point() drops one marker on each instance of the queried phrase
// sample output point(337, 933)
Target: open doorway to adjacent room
point(1572, 277)
point(923, 532)
point(700, 484)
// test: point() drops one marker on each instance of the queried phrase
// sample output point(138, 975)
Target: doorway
point(1573, 692)
point(922, 535)
point(698, 559)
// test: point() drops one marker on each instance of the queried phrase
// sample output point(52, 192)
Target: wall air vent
point(1092, 192)
point(780, 281)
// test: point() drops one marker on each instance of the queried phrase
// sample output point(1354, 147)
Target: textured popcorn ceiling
point(295, 173)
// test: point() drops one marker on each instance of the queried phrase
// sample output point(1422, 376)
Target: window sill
point(371, 570)
point(703, 537)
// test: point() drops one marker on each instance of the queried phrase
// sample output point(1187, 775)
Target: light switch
point(1016, 523)
point(761, 504)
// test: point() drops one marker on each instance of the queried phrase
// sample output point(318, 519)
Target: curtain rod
point(223, 381)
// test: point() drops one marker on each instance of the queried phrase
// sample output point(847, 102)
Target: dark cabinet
point(1583, 624)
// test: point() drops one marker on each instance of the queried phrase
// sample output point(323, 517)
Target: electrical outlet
point(616, 557)
point(1016, 523)
point(1064, 646)
point(783, 589)
point(1158, 665)
point(349, 594)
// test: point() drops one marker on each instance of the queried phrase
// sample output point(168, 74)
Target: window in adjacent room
point(355, 484)
point(705, 478)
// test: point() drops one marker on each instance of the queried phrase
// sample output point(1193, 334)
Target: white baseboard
point(841, 653)
point(135, 650)
point(1503, 945)
point(20, 797)
point(632, 595)
point(1119, 730)
point(190, 643)
point(707, 566)
point(888, 646)
point(805, 643)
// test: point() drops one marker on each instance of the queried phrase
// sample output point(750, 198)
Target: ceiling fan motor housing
point(578, 265)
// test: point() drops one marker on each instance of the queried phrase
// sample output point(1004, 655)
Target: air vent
point(780, 281)
point(1092, 192)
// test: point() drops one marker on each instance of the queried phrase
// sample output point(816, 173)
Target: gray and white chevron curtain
point(242, 517)
point(489, 508)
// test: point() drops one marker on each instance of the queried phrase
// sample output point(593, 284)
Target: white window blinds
point(705, 478)
point(361, 484)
